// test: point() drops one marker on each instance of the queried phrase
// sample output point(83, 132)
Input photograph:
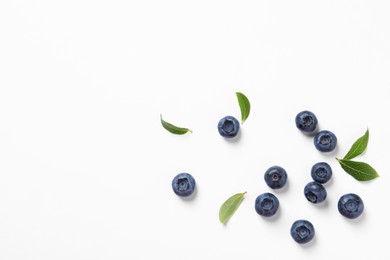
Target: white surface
point(85, 166)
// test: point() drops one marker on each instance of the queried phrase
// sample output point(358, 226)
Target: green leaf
point(174, 129)
point(245, 106)
point(230, 206)
point(358, 147)
point(359, 170)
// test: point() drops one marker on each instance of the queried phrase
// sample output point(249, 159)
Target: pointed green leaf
point(245, 106)
point(230, 206)
point(359, 170)
point(174, 129)
point(358, 147)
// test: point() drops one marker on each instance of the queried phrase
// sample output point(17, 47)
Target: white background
point(86, 167)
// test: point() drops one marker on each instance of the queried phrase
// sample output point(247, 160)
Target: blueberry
point(325, 141)
point(321, 172)
point(306, 121)
point(228, 127)
point(266, 204)
point(275, 177)
point(315, 192)
point(350, 205)
point(183, 184)
point(302, 231)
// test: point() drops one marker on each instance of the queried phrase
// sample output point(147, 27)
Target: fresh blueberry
point(183, 184)
point(266, 204)
point(325, 141)
point(228, 127)
point(306, 121)
point(302, 231)
point(350, 205)
point(315, 192)
point(321, 172)
point(275, 177)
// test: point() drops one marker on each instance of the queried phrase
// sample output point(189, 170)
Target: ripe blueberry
point(302, 231)
point(325, 141)
point(183, 184)
point(315, 192)
point(228, 126)
point(306, 121)
point(321, 172)
point(275, 177)
point(266, 204)
point(350, 205)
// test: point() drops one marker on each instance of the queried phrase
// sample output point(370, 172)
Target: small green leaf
point(230, 206)
point(174, 129)
point(359, 170)
point(245, 106)
point(358, 147)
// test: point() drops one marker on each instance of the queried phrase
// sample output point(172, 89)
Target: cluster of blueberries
point(350, 205)
point(302, 231)
point(267, 204)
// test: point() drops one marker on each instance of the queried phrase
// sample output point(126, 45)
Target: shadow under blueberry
point(321, 205)
point(285, 188)
point(328, 183)
point(311, 243)
point(331, 154)
point(273, 218)
point(357, 220)
point(192, 196)
point(234, 139)
point(312, 134)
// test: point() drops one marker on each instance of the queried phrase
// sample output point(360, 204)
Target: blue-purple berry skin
point(275, 177)
point(315, 192)
point(325, 141)
point(306, 121)
point(183, 184)
point(321, 172)
point(266, 204)
point(228, 127)
point(350, 205)
point(302, 231)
